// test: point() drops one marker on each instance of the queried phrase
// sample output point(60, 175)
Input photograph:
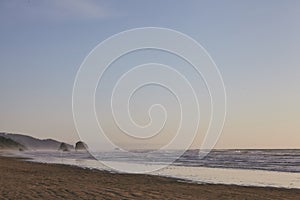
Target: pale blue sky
point(255, 44)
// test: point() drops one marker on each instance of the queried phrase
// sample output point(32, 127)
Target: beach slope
point(26, 180)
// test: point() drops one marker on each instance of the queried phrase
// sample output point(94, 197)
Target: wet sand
point(26, 180)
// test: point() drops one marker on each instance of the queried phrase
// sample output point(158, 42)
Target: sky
point(255, 45)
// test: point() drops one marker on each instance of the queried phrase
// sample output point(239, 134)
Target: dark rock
point(63, 147)
point(81, 146)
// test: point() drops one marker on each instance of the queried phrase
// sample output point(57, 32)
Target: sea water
point(251, 167)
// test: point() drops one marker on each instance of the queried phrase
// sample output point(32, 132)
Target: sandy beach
point(27, 180)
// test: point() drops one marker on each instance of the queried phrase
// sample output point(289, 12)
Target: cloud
point(80, 9)
point(60, 10)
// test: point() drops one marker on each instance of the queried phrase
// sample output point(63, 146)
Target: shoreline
point(21, 179)
point(199, 175)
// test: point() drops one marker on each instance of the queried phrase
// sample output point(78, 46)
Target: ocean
point(251, 167)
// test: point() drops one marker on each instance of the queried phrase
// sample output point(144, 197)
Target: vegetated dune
point(34, 143)
point(9, 144)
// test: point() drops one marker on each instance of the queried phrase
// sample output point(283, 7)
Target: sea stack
point(81, 146)
point(63, 147)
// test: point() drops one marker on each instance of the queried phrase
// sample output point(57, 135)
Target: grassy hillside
point(6, 143)
point(34, 143)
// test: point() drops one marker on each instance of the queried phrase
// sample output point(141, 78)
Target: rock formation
point(63, 147)
point(81, 146)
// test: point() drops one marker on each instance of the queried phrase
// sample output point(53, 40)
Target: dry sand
point(26, 180)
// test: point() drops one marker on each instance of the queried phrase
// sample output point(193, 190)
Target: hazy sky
point(255, 44)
